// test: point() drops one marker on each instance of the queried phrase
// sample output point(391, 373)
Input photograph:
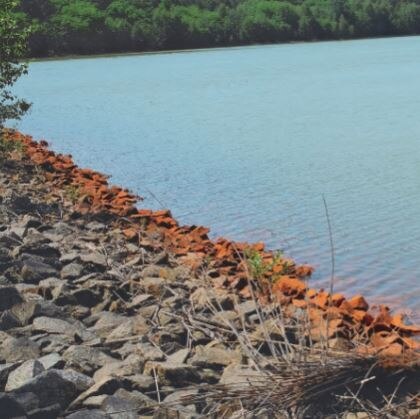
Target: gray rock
point(133, 364)
point(17, 231)
point(80, 312)
point(171, 339)
point(151, 271)
point(28, 310)
point(106, 386)
point(29, 222)
point(28, 401)
point(149, 352)
point(357, 415)
point(140, 300)
point(53, 325)
point(240, 375)
point(85, 358)
point(48, 412)
point(81, 381)
point(52, 360)
point(29, 290)
point(140, 400)
point(8, 320)
point(126, 408)
point(62, 228)
point(54, 343)
point(173, 374)
point(96, 226)
point(107, 323)
point(179, 399)
point(56, 386)
point(95, 401)
point(153, 285)
point(69, 257)
point(148, 311)
point(86, 297)
point(5, 370)
point(6, 261)
point(90, 414)
point(10, 239)
point(209, 375)
point(10, 408)
point(37, 249)
point(24, 373)
point(34, 270)
point(47, 286)
point(133, 326)
point(179, 357)
point(142, 382)
point(214, 357)
point(96, 259)
point(18, 349)
point(72, 271)
point(34, 237)
point(9, 296)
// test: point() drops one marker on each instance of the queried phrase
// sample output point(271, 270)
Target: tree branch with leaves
point(14, 33)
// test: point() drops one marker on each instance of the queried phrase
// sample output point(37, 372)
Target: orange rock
point(383, 317)
point(346, 307)
point(320, 332)
point(290, 286)
point(358, 303)
point(321, 299)
point(278, 268)
point(398, 322)
point(311, 293)
point(299, 303)
point(358, 315)
point(383, 339)
point(393, 350)
point(315, 315)
point(259, 247)
point(333, 313)
point(337, 299)
point(130, 233)
point(304, 270)
point(245, 292)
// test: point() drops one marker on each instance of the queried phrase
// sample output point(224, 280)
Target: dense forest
point(102, 26)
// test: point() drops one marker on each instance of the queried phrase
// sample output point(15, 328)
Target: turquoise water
point(247, 140)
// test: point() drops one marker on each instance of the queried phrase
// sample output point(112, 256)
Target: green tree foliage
point(407, 18)
point(13, 39)
point(86, 26)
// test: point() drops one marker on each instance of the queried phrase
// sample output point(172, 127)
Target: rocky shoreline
point(110, 311)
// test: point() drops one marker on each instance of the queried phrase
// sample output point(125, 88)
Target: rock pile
point(104, 308)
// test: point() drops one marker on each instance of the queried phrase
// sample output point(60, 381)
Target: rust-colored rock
point(290, 286)
point(358, 303)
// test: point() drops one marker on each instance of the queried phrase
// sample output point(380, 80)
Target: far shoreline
point(205, 49)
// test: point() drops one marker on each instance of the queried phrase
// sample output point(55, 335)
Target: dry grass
point(286, 375)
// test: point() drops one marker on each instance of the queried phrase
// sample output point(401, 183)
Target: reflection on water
point(248, 140)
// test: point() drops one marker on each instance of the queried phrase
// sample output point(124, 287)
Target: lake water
point(247, 140)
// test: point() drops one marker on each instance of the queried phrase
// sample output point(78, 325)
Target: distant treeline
point(104, 26)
